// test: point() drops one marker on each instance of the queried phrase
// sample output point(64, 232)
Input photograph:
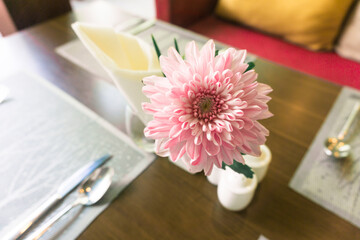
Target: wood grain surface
point(165, 202)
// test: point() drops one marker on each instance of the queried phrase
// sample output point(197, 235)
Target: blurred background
point(19, 14)
point(320, 38)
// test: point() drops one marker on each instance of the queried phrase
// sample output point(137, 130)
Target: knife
point(64, 189)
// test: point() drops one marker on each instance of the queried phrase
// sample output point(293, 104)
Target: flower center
point(206, 105)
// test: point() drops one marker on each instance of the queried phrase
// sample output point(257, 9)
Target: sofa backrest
point(183, 12)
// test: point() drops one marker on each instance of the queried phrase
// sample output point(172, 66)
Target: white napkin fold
point(126, 58)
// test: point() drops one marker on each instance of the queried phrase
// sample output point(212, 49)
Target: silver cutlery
point(90, 192)
point(64, 189)
point(338, 146)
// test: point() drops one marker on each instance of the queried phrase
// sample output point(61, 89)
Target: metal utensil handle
point(62, 191)
point(349, 121)
point(29, 221)
point(46, 226)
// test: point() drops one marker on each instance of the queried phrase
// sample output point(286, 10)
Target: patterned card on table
point(333, 183)
point(46, 136)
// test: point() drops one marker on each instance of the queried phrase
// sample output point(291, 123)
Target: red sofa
point(198, 16)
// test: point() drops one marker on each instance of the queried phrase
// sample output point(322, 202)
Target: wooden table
point(167, 203)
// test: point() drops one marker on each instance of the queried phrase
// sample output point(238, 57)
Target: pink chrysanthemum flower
point(206, 110)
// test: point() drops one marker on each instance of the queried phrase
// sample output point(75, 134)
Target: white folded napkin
point(126, 58)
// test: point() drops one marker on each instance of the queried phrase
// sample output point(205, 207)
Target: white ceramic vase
point(214, 177)
point(235, 191)
point(260, 164)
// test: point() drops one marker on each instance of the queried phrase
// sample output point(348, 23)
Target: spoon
point(91, 190)
point(337, 146)
point(4, 92)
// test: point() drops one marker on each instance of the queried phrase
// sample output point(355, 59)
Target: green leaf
point(240, 168)
point(158, 53)
point(176, 46)
point(251, 66)
point(216, 52)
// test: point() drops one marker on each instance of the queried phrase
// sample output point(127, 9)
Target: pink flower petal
point(177, 151)
point(210, 148)
point(206, 110)
point(192, 53)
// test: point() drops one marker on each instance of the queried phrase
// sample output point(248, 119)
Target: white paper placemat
point(75, 52)
point(332, 183)
point(46, 136)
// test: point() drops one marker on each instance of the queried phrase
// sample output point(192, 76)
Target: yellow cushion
point(311, 23)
